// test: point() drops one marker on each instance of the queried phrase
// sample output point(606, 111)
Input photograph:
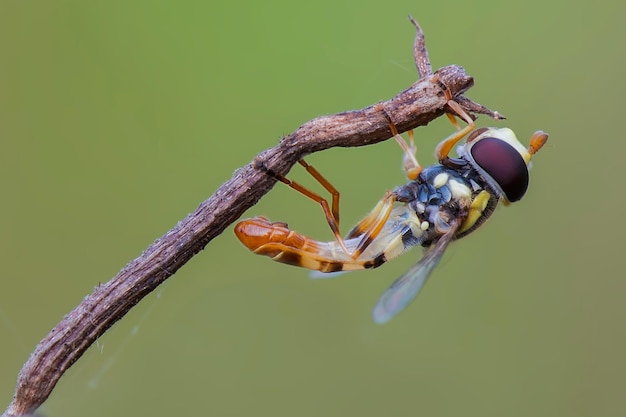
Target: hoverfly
point(439, 204)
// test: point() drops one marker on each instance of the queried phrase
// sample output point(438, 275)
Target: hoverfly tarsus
point(439, 204)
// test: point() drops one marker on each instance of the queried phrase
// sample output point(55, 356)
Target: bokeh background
point(117, 118)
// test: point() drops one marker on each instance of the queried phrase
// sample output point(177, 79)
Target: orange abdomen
point(284, 245)
point(270, 239)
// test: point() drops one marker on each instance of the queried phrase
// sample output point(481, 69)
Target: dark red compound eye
point(504, 164)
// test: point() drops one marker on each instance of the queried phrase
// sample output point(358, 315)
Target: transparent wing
point(405, 288)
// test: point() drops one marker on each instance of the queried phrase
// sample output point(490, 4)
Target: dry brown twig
point(416, 106)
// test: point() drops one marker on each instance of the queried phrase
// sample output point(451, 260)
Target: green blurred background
point(118, 118)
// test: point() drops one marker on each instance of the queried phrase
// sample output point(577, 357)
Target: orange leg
point(445, 146)
point(453, 121)
point(332, 216)
point(411, 166)
point(327, 185)
point(375, 222)
point(367, 222)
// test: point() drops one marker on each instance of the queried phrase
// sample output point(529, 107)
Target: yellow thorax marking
point(475, 211)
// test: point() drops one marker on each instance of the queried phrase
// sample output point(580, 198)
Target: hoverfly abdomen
point(266, 238)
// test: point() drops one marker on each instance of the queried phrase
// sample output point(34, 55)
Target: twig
point(422, 62)
point(416, 106)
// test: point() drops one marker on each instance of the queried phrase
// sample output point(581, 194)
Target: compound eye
point(504, 164)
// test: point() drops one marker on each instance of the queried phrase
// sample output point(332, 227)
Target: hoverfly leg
point(453, 120)
point(409, 161)
point(332, 215)
point(370, 227)
point(456, 107)
point(445, 146)
point(460, 112)
point(327, 185)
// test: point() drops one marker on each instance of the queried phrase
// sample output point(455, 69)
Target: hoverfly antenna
point(537, 140)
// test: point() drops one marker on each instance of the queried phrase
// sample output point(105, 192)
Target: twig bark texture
point(416, 106)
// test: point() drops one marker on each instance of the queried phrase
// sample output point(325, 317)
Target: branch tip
point(473, 107)
point(420, 53)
